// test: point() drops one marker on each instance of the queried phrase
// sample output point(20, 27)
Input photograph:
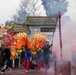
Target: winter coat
point(46, 49)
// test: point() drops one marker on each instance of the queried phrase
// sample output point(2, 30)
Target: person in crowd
point(47, 52)
point(27, 59)
point(0, 58)
point(40, 59)
point(7, 62)
point(34, 56)
point(16, 60)
point(22, 56)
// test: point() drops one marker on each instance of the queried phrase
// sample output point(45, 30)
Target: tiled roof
point(19, 28)
point(40, 20)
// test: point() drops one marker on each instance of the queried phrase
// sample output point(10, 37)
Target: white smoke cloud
point(68, 43)
point(68, 38)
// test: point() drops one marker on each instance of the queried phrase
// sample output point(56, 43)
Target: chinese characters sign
point(48, 29)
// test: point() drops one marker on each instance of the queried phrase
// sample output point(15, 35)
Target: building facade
point(16, 28)
point(41, 24)
point(36, 24)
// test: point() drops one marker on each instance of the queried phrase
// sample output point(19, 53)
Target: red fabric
point(43, 64)
point(40, 64)
point(27, 64)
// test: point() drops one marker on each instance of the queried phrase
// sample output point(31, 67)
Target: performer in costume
point(40, 59)
point(27, 59)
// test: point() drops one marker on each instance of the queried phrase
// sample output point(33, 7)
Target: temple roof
point(19, 28)
point(40, 21)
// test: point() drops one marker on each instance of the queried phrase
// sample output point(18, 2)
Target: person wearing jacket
point(47, 52)
point(22, 56)
point(40, 59)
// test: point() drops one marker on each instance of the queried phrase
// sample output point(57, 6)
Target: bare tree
point(28, 8)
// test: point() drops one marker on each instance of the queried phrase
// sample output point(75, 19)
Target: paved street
point(23, 72)
point(32, 72)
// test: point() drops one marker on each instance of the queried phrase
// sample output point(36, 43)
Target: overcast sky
point(72, 10)
point(9, 7)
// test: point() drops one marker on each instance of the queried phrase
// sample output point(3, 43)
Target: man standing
point(47, 52)
point(27, 59)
